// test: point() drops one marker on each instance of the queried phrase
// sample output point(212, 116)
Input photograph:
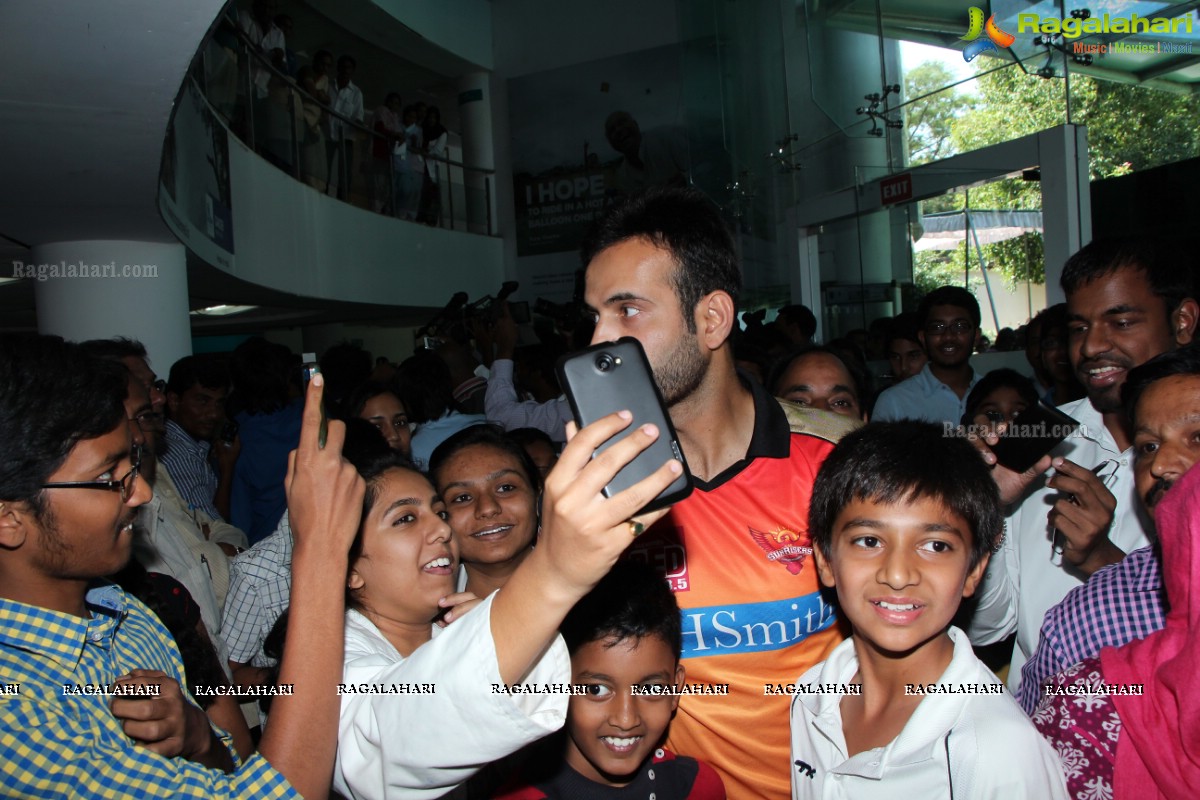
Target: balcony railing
point(296, 131)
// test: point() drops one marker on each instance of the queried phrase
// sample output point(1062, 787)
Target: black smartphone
point(1032, 434)
point(613, 376)
point(229, 431)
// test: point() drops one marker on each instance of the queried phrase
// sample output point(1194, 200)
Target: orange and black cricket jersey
point(738, 557)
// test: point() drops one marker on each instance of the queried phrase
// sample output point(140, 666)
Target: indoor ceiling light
point(221, 310)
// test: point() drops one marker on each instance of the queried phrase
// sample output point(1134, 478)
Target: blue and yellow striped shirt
point(57, 741)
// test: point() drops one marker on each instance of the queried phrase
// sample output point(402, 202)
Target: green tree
point(931, 112)
point(1129, 128)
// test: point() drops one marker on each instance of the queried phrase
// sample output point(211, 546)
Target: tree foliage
point(931, 112)
point(1130, 128)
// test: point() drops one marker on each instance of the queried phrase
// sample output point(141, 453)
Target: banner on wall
point(587, 134)
point(194, 191)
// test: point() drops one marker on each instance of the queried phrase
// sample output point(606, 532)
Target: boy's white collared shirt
point(973, 744)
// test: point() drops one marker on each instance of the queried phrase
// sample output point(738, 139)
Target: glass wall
point(820, 99)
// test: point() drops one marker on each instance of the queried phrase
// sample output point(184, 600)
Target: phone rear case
point(612, 376)
point(1032, 434)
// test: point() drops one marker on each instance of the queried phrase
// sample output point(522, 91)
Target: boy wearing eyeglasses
point(949, 331)
point(92, 704)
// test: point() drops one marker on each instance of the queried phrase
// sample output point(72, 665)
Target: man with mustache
point(1128, 300)
point(1125, 602)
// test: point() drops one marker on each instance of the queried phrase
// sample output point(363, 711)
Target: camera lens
point(604, 362)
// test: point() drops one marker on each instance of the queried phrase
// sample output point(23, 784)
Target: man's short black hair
point(902, 326)
point(424, 386)
point(632, 601)
point(114, 349)
point(347, 59)
point(52, 396)
point(801, 316)
point(1053, 318)
point(1183, 361)
point(686, 224)
point(1169, 266)
point(206, 370)
point(949, 296)
point(895, 462)
point(861, 387)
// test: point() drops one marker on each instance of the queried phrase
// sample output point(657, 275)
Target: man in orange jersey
point(663, 269)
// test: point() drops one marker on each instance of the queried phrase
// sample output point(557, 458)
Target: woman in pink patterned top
point(1127, 724)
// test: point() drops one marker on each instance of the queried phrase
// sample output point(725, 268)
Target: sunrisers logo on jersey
point(994, 36)
point(784, 546)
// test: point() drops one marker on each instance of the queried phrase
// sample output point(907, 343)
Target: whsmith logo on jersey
point(753, 627)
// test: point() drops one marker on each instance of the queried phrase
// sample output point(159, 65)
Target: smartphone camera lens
point(605, 362)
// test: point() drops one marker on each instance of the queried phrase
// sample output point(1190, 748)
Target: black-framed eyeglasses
point(124, 485)
point(958, 327)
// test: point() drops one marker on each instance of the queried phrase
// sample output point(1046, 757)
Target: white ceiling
point(87, 91)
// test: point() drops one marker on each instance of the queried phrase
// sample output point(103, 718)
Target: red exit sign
point(896, 189)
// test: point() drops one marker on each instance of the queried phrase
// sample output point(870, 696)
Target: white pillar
point(102, 289)
point(1066, 201)
point(475, 115)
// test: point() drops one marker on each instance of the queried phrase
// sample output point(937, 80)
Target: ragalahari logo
point(995, 36)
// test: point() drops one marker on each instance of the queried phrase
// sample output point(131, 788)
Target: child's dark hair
point(891, 462)
point(632, 601)
point(996, 379)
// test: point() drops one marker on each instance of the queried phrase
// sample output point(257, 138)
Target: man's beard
point(682, 371)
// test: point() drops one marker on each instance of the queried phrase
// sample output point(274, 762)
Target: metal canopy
point(942, 24)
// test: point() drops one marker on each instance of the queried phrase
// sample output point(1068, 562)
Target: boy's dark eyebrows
point(943, 527)
point(596, 676)
point(877, 524)
point(864, 522)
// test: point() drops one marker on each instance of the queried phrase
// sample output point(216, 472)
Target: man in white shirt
point(348, 103)
point(1127, 301)
point(503, 405)
point(259, 26)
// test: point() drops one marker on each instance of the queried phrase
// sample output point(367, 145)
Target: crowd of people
point(307, 116)
point(204, 595)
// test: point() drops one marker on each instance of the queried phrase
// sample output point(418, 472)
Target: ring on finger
point(636, 528)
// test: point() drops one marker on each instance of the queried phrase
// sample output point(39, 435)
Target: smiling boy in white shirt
point(903, 520)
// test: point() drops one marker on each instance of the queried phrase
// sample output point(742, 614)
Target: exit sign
point(896, 189)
